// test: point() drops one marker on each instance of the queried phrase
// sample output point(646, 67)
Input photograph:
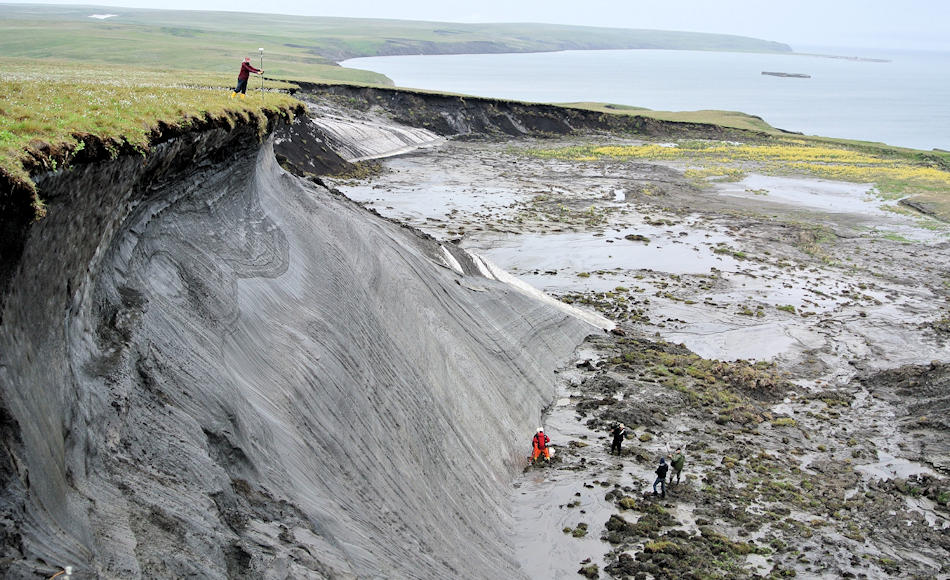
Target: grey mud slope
point(220, 370)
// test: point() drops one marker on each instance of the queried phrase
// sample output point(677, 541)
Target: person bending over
point(540, 444)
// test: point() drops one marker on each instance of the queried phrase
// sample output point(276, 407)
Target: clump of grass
point(717, 173)
point(724, 249)
point(590, 571)
point(555, 214)
point(578, 532)
point(725, 545)
point(627, 503)
point(49, 108)
point(662, 546)
point(897, 238)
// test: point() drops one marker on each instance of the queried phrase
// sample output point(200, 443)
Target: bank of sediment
point(210, 367)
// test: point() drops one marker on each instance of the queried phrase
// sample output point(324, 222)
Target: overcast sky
point(919, 24)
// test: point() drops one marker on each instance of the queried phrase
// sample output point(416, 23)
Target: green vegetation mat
point(895, 172)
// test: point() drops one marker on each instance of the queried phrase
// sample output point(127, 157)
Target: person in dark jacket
point(661, 477)
point(246, 69)
point(619, 432)
point(540, 444)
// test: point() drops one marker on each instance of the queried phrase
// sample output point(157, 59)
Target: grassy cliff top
point(301, 48)
point(732, 119)
point(49, 109)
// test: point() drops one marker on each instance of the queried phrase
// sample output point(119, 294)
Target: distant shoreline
point(841, 57)
point(844, 97)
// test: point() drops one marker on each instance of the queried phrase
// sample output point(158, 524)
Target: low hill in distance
point(300, 47)
point(734, 119)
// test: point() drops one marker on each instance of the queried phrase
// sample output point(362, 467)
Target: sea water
point(902, 101)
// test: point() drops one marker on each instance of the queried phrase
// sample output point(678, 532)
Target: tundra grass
point(189, 41)
point(894, 172)
point(301, 47)
point(47, 107)
point(732, 119)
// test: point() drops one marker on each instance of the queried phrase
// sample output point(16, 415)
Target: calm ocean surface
point(903, 102)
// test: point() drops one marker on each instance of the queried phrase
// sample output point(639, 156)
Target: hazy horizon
point(872, 24)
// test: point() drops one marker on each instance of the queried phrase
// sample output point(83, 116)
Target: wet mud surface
point(789, 333)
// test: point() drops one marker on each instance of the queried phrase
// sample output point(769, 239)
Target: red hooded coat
point(246, 70)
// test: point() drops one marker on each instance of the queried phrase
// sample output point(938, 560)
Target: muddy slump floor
point(820, 448)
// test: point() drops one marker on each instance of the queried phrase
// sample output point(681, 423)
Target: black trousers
point(241, 86)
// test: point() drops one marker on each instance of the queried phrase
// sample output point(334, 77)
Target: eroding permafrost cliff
point(211, 368)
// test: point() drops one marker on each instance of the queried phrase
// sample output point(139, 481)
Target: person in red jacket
point(246, 69)
point(540, 444)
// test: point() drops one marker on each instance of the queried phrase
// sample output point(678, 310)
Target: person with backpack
point(676, 462)
point(540, 445)
point(246, 69)
point(619, 433)
point(661, 477)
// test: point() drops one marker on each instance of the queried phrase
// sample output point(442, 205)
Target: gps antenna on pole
point(261, 50)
